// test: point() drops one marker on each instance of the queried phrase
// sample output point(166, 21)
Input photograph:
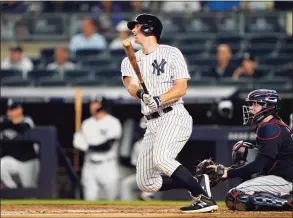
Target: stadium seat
point(36, 61)
point(276, 82)
point(76, 74)
point(192, 50)
point(39, 73)
point(114, 81)
point(191, 40)
point(228, 39)
point(107, 72)
point(94, 63)
point(203, 81)
point(263, 39)
point(260, 51)
point(47, 53)
point(9, 73)
point(84, 53)
point(201, 61)
point(284, 72)
point(88, 82)
point(15, 81)
point(240, 82)
point(51, 82)
point(276, 61)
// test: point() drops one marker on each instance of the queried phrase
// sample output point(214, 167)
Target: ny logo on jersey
point(159, 67)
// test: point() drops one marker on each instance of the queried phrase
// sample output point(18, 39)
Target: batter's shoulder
point(268, 131)
point(126, 59)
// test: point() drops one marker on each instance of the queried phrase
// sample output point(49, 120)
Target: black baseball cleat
point(202, 204)
point(204, 182)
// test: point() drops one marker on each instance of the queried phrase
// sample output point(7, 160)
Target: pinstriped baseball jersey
point(166, 135)
point(159, 69)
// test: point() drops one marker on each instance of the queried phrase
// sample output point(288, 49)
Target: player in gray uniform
point(169, 125)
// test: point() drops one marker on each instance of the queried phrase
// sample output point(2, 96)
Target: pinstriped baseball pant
point(164, 138)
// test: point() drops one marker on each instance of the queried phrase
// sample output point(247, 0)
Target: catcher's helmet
point(151, 25)
point(268, 99)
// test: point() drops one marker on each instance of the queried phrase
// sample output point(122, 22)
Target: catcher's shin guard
point(259, 201)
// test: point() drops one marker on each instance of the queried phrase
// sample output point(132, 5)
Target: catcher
point(271, 189)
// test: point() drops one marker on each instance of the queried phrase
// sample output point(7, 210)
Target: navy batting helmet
point(268, 99)
point(151, 25)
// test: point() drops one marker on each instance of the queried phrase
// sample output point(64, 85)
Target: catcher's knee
point(260, 201)
point(238, 200)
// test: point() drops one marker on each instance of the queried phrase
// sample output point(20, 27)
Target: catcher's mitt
point(215, 176)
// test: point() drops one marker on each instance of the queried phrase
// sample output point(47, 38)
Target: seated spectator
point(17, 61)
point(248, 68)
point(61, 62)
point(180, 6)
point(224, 66)
point(88, 38)
point(123, 33)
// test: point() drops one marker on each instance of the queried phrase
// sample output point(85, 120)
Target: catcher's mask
point(269, 100)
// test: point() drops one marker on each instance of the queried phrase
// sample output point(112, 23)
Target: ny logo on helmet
point(159, 67)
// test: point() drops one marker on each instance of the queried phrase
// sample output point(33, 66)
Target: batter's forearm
point(132, 90)
point(172, 95)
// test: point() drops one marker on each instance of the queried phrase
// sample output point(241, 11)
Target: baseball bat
point(131, 56)
point(78, 108)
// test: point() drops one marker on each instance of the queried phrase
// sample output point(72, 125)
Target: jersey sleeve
point(179, 66)
point(126, 68)
point(115, 130)
point(29, 121)
point(268, 139)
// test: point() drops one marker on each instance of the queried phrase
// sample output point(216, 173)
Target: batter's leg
point(171, 137)
point(147, 177)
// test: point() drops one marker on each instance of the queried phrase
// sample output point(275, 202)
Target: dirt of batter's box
point(114, 211)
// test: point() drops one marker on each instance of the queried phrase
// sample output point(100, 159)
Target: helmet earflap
point(147, 29)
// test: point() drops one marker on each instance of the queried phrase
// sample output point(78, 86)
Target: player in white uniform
point(99, 139)
point(20, 164)
point(169, 125)
point(128, 184)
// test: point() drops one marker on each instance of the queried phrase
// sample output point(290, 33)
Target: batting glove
point(146, 98)
point(155, 102)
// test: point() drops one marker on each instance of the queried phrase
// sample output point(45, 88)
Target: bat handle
point(144, 88)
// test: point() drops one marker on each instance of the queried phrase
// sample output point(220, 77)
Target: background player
point(19, 159)
point(98, 138)
point(169, 125)
point(274, 141)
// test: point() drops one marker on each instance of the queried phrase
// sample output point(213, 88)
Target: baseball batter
point(169, 125)
point(98, 138)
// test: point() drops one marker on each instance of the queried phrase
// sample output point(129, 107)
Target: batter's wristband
point(139, 93)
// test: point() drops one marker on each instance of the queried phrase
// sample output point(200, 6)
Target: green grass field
point(81, 202)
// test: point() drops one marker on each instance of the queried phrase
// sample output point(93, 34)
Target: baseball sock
point(181, 174)
point(170, 183)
